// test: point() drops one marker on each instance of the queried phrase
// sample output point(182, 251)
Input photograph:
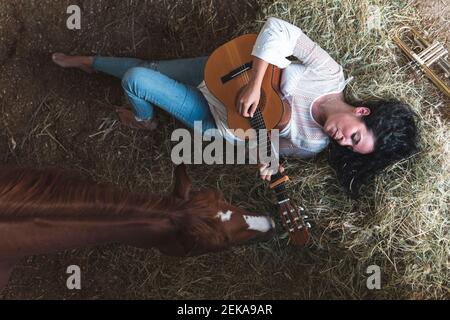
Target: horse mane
point(27, 193)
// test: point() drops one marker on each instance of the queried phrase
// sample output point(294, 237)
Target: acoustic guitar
point(226, 75)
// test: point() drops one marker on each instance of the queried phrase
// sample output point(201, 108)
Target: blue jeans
point(168, 84)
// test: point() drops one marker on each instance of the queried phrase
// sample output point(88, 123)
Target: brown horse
point(45, 211)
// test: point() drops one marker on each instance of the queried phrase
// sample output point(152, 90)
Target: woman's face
point(349, 130)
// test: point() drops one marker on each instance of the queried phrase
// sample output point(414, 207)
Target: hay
point(402, 222)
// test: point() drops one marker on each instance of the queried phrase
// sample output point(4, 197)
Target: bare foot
point(79, 62)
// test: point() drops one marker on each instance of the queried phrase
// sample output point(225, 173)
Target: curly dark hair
point(394, 128)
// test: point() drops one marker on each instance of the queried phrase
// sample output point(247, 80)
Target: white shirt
point(316, 75)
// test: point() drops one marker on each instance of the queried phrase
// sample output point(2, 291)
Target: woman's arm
point(276, 41)
point(287, 149)
point(251, 95)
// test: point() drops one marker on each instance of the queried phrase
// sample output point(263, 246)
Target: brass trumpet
point(424, 54)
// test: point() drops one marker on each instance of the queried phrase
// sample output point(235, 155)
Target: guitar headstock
point(296, 222)
point(294, 217)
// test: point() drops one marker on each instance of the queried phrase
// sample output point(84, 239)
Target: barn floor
point(54, 117)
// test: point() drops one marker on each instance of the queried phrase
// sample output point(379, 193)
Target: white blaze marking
point(261, 223)
point(224, 217)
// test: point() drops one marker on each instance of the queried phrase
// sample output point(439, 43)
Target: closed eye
point(356, 138)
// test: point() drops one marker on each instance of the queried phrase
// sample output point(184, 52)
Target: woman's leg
point(116, 67)
point(188, 71)
point(170, 84)
point(185, 73)
point(110, 65)
point(145, 87)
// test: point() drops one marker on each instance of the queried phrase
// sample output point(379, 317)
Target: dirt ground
point(60, 117)
point(51, 117)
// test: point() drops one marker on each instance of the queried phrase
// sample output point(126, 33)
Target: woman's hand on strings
point(266, 173)
point(249, 99)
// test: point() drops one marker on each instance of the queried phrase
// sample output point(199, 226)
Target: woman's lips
point(337, 136)
point(334, 135)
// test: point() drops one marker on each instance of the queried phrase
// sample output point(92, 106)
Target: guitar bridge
point(237, 72)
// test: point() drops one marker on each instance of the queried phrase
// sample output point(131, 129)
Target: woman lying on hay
point(366, 137)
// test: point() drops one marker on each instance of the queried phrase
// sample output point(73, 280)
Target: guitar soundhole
point(262, 100)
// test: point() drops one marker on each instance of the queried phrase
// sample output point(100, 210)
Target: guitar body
point(233, 56)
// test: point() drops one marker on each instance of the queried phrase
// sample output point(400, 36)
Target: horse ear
point(183, 183)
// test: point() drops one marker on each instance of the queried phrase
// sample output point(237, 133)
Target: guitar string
point(281, 190)
point(259, 123)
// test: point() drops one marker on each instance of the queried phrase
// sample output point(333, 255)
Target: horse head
point(210, 223)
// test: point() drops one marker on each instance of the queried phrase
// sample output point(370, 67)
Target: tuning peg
point(305, 217)
point(308, 219)
point(301, 208)
point(308, 225)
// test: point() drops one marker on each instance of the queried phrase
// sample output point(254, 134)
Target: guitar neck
point(280, 190)
point(279, 186)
